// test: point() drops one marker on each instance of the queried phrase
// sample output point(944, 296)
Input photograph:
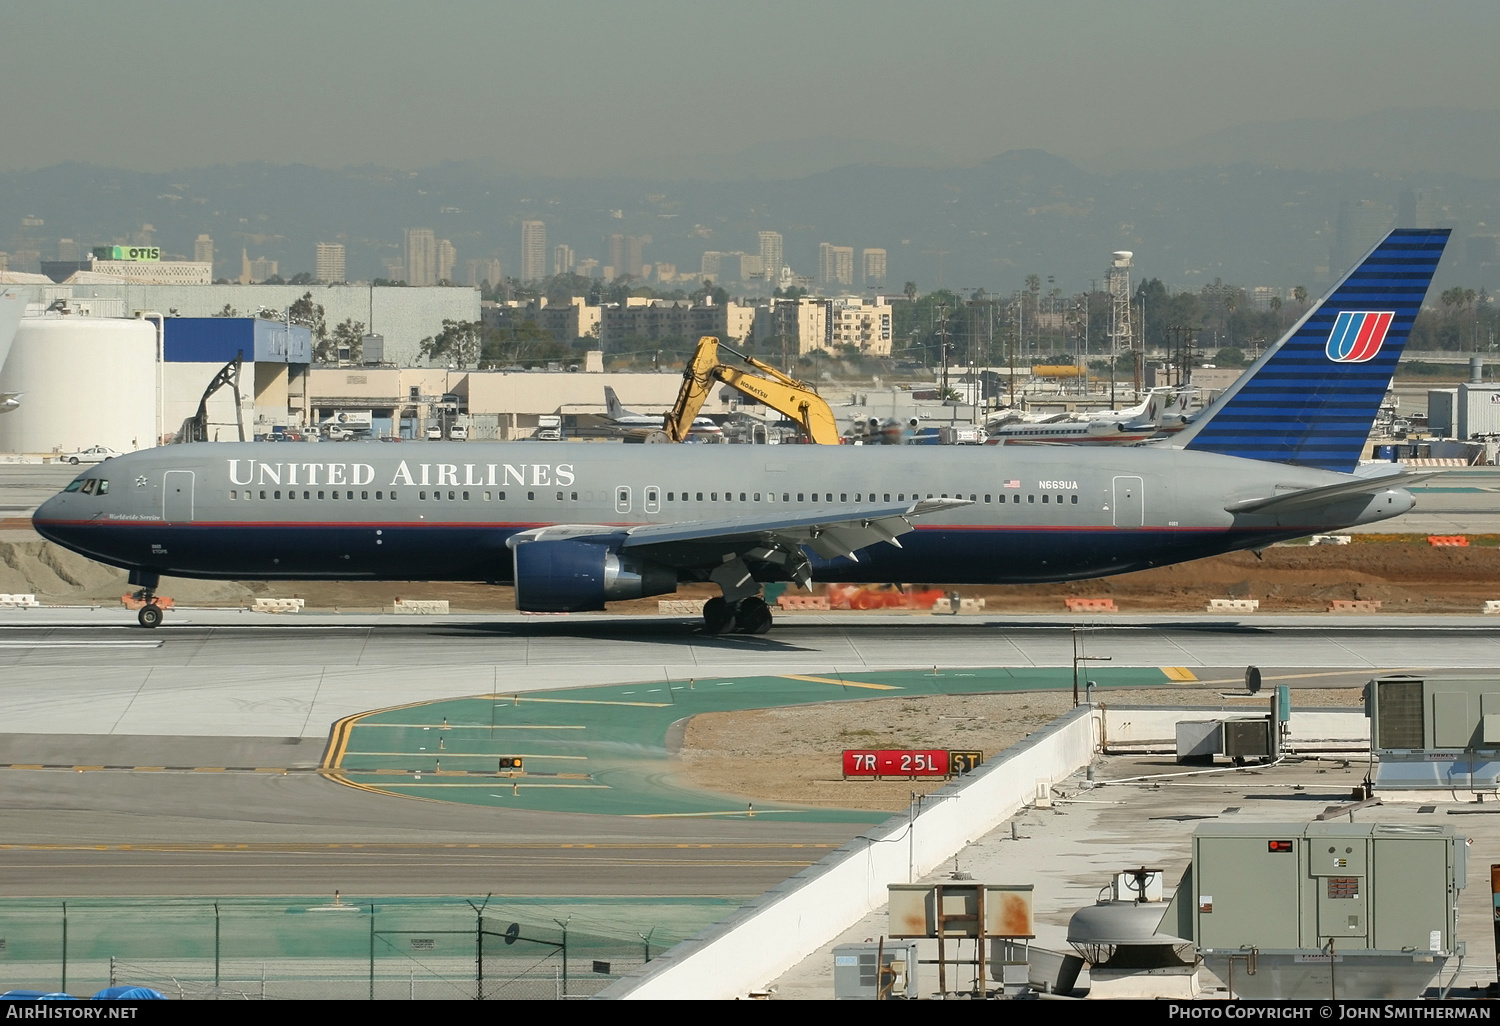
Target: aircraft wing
point(829, 531)
point(1324, 495)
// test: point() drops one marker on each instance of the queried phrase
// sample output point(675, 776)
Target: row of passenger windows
point(623, 496)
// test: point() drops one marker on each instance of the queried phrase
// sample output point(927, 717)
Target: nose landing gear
point(150, 614)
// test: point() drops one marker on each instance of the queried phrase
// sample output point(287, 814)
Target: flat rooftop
point(1072, 850)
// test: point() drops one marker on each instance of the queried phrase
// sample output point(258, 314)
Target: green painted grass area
point(603, 749)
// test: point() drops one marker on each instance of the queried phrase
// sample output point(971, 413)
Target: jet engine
point(577, 574)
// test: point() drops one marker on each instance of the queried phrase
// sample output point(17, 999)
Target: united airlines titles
point(482, 475)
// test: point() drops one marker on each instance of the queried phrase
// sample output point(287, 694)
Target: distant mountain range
point(989, 225)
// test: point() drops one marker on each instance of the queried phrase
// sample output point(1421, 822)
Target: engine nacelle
point(1105, 427)
point(576, 575)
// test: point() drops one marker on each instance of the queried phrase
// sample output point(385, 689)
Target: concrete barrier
point(277, 605)
point(680, 607)
point(1492, 606)
point(18, 601)
point(421, 607)
point(796, 603)
point(1233, 605)
point(131, 602)
point(1354, 606)
point(965, 605)
point(1329, 539)
point(1090, 605)
point(781, 927)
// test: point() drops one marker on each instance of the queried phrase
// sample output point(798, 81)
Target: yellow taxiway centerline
point(844, 683)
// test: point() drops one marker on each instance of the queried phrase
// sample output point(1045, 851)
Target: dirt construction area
point(1403, 572)
point(791, 753)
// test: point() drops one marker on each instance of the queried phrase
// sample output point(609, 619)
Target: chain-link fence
point(347, 949)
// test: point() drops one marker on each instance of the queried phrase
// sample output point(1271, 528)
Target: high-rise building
point(330, 263)
point(587, 268)
point(616, 255)
point(1360, 225)
point(421, 256)
point(483, 272)
point(533, 250)
point(562, 259)
point(635, 255)
point(203, 250)
point(447, 256)
point(262, 268)
point(1416, 208)
point(873, 272)
point(771, 256)
point(835, 264)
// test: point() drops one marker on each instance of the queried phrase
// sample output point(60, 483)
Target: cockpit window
point(88, 486)
point(74, 485)
point(103, 488)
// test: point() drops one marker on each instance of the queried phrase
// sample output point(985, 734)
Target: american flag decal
point(1012, 484)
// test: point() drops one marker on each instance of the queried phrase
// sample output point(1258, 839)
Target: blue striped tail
point(1313, 397)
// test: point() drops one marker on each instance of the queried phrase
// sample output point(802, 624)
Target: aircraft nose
point(47, 512)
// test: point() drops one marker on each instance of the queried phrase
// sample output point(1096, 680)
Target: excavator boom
point(787, 395)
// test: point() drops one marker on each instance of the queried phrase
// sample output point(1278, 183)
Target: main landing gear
point(740, 609)
point(150, 614)
point(748, 616)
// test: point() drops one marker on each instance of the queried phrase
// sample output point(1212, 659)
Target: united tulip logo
point(1357, 337)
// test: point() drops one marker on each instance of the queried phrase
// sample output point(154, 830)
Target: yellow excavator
point(793, 398)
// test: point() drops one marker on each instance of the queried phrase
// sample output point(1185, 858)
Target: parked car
point(458, 433)
point(94, 454)
point(434, 434)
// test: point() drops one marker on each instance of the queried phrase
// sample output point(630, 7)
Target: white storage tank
point(86, 381)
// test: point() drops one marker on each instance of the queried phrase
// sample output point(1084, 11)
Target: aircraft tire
point(150, 615)
point(718, 618)
point(753, 616)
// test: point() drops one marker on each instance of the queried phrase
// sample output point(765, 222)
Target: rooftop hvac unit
point(855, 977)
point(1379, 897)
point(1247, 739)
point(1434, 733)
point(1198, 741)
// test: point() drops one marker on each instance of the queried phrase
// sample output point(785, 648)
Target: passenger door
point(1130, 502)
point(177, 497)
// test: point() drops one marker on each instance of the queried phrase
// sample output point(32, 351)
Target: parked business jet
point(578, 525)
point(647, 423)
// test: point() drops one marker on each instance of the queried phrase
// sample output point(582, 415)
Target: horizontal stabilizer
point(1326, 495)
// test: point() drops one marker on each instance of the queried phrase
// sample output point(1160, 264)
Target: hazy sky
point(592, 88)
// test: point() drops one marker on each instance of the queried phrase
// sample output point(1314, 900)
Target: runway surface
point(205, 735)
point(242, 674)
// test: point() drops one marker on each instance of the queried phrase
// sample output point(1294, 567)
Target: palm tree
point(911, 291)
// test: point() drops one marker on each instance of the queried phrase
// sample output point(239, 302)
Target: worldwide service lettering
point(488, 475)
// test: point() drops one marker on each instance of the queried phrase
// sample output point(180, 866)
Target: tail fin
point(1312, 398)
point(612, 402)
